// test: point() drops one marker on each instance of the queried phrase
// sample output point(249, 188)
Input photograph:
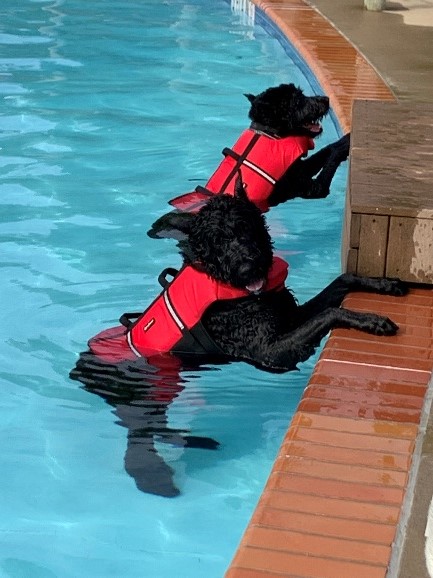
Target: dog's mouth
point(256, 287)
point(314, 126)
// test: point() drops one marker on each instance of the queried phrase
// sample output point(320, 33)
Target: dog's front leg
point(335, 292)
point(298, 345)
point(301, 180)
point(339, 152)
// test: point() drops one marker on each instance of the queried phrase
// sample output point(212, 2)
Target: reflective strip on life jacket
point(172, 311)
point(262, 165)
point(259, 171)
point(249, 164)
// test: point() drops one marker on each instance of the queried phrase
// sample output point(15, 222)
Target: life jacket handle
point(126, 318)
point(162, 277)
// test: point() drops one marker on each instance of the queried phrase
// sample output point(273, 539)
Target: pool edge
point(332, 505)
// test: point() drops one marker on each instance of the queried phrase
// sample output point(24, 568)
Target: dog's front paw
point(390, 286)
point(341, 148)
point(317, 191)
point(379, 325)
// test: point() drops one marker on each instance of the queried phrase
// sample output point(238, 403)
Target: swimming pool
point(109, 110)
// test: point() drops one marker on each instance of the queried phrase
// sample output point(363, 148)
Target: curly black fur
point(284, 111)
point(244, 251)
point(228, 239)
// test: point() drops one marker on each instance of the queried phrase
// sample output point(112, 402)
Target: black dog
point(272, 155)
point(229, 241)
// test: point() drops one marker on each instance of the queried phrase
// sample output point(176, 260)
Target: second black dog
point(273, 154)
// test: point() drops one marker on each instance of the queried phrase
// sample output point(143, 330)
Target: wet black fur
point(228, 239)
point(283, 111)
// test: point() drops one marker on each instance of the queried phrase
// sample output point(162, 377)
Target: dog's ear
point(174, 225)
point(250, 97)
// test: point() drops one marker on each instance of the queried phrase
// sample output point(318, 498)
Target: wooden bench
point(388, 228)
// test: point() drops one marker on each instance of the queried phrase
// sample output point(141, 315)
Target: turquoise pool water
point(109, 109)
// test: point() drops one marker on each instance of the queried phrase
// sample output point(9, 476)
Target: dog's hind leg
point(149, 471)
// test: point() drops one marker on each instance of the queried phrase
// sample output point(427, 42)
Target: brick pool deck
point(338, 498)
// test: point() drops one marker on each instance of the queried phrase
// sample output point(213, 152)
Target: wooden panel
point(351, 265)
point(355, 230)
point(373, 241)
point(391, 150)
point(345, 238)
point(410, 249)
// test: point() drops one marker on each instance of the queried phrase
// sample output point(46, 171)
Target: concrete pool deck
point(349, 492)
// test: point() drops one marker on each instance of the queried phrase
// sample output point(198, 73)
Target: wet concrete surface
point(397, 41)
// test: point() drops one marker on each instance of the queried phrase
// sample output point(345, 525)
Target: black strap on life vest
point(239, 160)
point(258, 170)
point(197, 341)
point(128, 319)
point(162, 277)
point(236, 168)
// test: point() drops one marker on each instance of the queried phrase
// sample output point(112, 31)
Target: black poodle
point(272, 155)
point(228, 302)
point(228, 241)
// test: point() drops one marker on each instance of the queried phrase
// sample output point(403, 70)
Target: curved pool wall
point(273, 30)
point(68, 508)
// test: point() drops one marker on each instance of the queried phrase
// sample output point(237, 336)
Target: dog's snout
point(246, 271)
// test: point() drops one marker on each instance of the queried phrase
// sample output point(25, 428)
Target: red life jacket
point(172, 323)
point(262, 158)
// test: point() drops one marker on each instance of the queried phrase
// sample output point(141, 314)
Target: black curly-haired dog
point(228, 239)
point(272, 155)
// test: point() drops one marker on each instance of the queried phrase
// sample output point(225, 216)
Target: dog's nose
point(324, 100)
point(245, 271)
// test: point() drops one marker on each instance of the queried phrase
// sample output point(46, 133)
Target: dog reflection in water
point(140, 393)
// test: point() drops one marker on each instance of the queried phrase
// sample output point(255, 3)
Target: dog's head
point(228, 239)
point(285, 110)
